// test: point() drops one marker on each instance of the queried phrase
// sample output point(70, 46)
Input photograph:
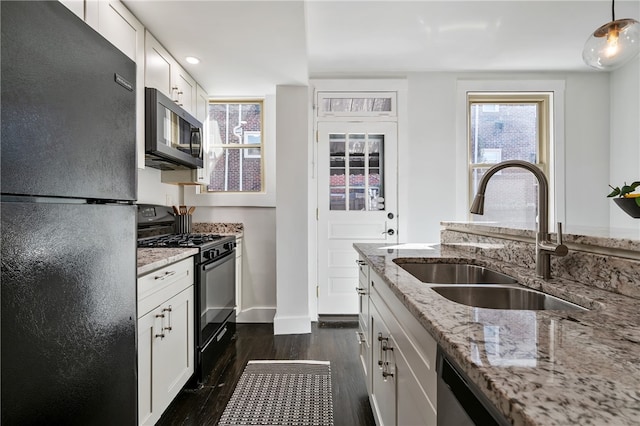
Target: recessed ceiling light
point(192, 60)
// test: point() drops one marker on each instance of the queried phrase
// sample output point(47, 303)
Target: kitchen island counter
point(537, 367)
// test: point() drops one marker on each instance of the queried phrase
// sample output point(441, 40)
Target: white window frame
point(556, 158)
point(194, 195)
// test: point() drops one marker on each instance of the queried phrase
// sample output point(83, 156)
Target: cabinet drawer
point(158, 286)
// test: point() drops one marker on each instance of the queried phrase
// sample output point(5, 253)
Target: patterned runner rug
point(274, 393)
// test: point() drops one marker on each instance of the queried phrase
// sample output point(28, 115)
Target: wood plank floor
point(205, 405)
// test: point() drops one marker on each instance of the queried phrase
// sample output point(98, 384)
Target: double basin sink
point(480, 287)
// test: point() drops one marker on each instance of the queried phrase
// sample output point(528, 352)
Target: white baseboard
point(256, 315)
point(291, 325)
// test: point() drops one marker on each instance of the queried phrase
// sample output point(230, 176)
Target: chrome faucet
point(544, 247)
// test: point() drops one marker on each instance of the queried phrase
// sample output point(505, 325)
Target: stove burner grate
point(179, 240)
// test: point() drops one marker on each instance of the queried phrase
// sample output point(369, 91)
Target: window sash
point(542, 101)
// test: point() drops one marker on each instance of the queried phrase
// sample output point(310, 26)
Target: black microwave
point(173, 137)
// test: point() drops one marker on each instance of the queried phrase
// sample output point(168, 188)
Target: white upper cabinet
point(158, 66)
point(121, 28)
point(164, 73)
point(185, 90)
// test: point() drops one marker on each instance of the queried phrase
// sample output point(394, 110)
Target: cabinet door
point(383, 371)
point(363, 295)
point(414, 405)
point(184, 90)
point(173, 354)
point(157, 66)
point(121, 28)
point(148, 326)
point(238, 275)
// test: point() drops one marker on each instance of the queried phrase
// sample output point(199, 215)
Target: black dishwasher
point(460, 403)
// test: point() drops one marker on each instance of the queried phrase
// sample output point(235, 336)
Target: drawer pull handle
point(360, 337)
point(161, 336)
point(361, 291)
point(168, 310)
point(386, 374)
point(165, 275)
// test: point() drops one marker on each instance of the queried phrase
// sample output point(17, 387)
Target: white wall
point(625, 137)
point(430, 181)
point(259, 257)
point(293, 288)
point(152, 191)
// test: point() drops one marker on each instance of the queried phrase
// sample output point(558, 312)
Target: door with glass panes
point(357, 202)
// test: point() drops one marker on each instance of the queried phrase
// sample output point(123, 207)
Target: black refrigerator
point(68, 183)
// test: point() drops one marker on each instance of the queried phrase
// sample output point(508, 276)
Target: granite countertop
point(537, 367)
point(150, 259)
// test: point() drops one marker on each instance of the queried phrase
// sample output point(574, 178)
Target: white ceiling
point(248, 47)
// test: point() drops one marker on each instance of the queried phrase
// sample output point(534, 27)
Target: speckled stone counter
point(537, 367)
point(150, 259)
point(236, 229)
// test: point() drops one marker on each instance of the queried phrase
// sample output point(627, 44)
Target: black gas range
point(211, 246)
point(214, 283)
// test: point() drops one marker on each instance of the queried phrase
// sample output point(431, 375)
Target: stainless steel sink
point(505, 298)
point(455, 273)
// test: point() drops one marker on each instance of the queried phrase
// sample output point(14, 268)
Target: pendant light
point(613, 44)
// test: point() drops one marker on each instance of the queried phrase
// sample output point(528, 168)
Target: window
point(508, 126)
point(236, 146)
point(360, 104)
point(355, 171)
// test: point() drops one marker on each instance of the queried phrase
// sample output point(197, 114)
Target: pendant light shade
point(613, 44)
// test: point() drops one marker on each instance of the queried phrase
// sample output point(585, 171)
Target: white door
point(357, 202)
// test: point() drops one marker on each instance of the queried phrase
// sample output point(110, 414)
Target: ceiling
point(246, 48)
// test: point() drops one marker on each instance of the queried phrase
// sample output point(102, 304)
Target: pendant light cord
point(613, 10)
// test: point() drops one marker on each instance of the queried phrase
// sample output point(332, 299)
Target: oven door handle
point(209, 266)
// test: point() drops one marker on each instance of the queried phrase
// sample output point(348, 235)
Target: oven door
point(217, 295)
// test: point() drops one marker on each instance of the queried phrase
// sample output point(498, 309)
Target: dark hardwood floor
point(335, 342)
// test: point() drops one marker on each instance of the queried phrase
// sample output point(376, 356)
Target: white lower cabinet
point(364, 333)
point(402, 364)
point(383, 372)
point(165, 338)
point(239, 248)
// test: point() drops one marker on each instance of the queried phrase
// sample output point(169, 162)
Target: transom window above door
point(360, 104)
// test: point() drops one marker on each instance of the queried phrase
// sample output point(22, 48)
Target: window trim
point(556, 154)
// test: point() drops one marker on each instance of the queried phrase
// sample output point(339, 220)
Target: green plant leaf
point(626, 189)
point(616, 191)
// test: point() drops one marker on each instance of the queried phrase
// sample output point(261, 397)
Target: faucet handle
point(559, 233)
point(560, 249)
